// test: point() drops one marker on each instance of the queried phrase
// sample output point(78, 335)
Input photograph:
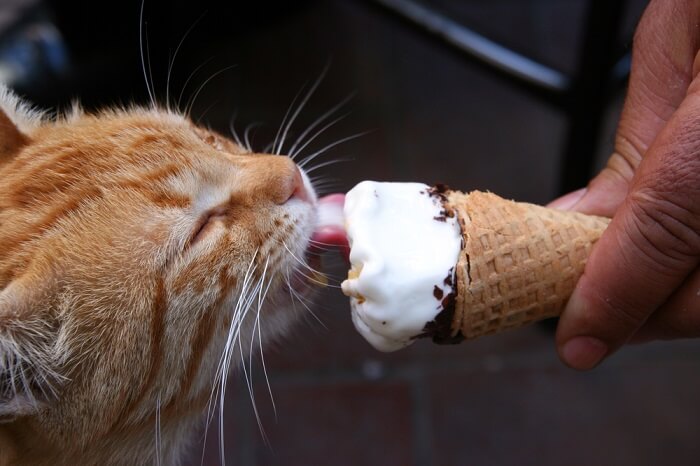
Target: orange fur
point(125, 240)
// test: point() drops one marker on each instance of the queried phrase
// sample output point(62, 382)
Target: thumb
point(650, 247)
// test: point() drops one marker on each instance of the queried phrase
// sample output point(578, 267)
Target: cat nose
point(274, 178)
point(297, 188)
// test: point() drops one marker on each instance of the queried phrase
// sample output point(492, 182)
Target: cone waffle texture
point(519, 262)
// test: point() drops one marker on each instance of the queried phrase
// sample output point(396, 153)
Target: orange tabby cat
point(134, 248)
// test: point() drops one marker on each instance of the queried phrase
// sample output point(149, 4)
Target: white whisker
point(246, 134)
point(306, 98)
point(189, 78)
point(201, 116)
point(308, 267)
point(232, 129)
point(172, 60)
point(149, 84)
point(292, 150)
point(301, 300)
point(224, 360)
point(308, 159)
point(188, 108)
point(325, 164)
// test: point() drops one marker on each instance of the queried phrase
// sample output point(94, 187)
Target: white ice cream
point(402, 248)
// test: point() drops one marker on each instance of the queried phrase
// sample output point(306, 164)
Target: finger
point(663, 58)
point(650, 247)
point(665, 44)
point(679, 317)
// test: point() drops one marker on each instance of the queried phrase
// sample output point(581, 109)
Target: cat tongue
point(330, 229)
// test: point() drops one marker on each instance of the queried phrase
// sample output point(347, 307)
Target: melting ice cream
point(404, 248)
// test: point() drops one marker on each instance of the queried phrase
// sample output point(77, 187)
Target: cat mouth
point(330, 226)
point(328, 237)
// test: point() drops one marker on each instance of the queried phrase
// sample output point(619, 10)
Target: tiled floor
point(433, 117)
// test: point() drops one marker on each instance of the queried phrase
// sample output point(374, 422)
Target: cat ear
point(17, 119)
point(27, 341)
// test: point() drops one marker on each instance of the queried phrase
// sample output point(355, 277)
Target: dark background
point(432, 115)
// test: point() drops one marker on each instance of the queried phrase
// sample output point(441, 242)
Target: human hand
point(642, 280)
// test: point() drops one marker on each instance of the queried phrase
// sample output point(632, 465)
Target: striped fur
point(128, 240)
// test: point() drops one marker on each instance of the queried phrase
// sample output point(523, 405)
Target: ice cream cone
point(519, 262)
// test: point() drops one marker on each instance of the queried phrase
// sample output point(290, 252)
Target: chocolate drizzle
point(440, 329)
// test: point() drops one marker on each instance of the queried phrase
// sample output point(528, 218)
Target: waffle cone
point(519, 262)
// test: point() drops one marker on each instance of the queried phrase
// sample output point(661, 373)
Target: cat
point(135, 249)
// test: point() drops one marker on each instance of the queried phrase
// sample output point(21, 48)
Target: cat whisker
point(172, 60)
point(273, 144)
point(242, 311)
point(303, 102)
point(327, 163)
point(293, 150)
point(308, 267)
point(188, 108)
point(309, 158)
point(232, 129)
point(206, 110)
point(246, 135)
point(224, 360)
point(258, 324)
point(298, 151)
point(149, 83)
point(301, 300)
point(323, 247)
point(189, 78)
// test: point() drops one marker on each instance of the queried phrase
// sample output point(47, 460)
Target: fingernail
point(583, 353)
point(568, 201)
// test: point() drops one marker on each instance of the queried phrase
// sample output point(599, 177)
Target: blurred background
point(519, 97)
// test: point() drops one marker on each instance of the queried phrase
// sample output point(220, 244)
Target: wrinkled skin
point(642, 280)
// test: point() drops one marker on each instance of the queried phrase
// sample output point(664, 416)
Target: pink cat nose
point(298, 189)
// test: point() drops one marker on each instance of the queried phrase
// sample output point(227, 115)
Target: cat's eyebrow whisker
point(172, 60)
point(206, 110)
point(309, 158)
point(246, 134)
point(232, 129)
point(293, 150)
point(189, 78)
point(149, 82)
point(188, 108)
point(303, 102)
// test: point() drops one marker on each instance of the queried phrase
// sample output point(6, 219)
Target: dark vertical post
point(586, 103)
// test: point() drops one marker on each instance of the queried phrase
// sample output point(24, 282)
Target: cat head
point(137, 249)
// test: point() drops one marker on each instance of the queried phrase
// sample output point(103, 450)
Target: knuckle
point(664, 226)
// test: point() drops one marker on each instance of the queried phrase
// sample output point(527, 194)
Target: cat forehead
point(124, 124)
point(130, 136)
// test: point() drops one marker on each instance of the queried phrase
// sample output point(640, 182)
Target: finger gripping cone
point(519, 262)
